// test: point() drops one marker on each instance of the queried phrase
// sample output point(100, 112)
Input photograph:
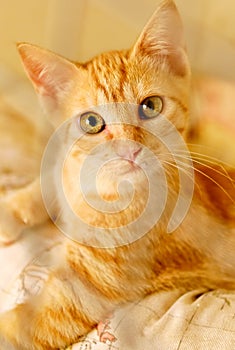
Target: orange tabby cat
point(140, 93)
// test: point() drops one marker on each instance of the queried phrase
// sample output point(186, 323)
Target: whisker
point(179, 168)
point(197, 160)
point(215, 170)
point(215, 182)
point(206, 157)
point(201, 146)
point(189, 174)
point(225, 174)
point(204, 174)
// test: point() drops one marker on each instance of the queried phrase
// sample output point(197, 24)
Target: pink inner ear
point(40, 78)
point(52, 76)
point(40, 74)
point(163, 39)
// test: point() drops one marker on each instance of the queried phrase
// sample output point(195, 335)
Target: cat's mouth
point(129, 158)
point(121, 167)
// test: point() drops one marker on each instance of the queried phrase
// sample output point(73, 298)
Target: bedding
point(197, 320)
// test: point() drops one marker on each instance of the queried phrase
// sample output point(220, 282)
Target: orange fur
point(89, 282)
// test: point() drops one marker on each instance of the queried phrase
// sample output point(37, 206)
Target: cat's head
point(156, 65)
point(125, 106)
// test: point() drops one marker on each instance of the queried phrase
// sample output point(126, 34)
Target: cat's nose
point(127, 149)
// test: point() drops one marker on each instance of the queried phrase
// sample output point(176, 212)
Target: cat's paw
point(11, 224)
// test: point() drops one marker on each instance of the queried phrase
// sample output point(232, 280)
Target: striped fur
point(88, 283)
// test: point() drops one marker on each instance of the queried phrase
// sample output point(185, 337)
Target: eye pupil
point(92, 121)
point(150, 107)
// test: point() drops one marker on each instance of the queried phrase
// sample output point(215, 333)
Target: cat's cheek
point(90, 143)
point(107, 133)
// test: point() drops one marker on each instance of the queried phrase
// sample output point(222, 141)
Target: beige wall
point(81, 28)
point(23, 20)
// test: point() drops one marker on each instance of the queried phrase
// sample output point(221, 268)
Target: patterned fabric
point(169, 321)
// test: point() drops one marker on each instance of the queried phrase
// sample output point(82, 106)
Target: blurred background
point(80, 29)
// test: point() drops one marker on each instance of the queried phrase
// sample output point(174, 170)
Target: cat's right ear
point(162, 39)
point(53, 78)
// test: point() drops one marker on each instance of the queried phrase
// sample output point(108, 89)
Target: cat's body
point(86, 283)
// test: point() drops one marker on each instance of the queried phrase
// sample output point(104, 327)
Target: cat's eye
point(91, 123)
point(150, 107)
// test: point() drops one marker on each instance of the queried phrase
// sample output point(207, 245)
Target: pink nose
point(127, 149)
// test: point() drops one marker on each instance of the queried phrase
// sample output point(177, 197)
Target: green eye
point(150, 107)
point(91, 123)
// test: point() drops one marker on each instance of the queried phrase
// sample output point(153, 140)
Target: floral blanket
point(197, 320)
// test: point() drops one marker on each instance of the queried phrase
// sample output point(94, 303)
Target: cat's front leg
point(19, 210)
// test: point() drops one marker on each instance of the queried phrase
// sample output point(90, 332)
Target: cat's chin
point(131, 169)
point(119, 168)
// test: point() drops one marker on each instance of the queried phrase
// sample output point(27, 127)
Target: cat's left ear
point(53, 77)
point(163, 39)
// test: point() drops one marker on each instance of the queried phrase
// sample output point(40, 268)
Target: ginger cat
point(117, 103)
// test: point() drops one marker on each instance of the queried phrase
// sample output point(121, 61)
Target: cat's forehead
point(108, 61)
point(116, 76)
point(108, 74)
